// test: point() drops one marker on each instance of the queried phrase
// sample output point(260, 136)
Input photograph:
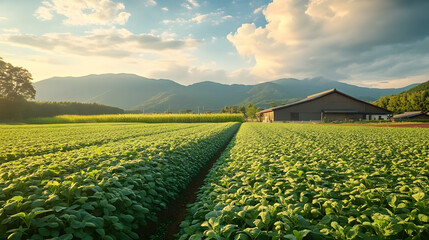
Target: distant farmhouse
point(412, 115)
point(331, 105)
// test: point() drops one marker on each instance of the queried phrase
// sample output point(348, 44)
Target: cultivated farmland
point(296, 181)
point(97, 181)
point(274, 181)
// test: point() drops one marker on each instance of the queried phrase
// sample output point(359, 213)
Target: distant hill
point(121, 90)
point(414, 99)
point(421, 87)
point(129, 91)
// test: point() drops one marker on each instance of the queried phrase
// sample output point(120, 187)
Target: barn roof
point(409, 114)
point(314, 97)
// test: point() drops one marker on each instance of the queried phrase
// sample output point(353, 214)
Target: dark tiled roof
point(408, 114)
point(307, 99)
point(313, 97)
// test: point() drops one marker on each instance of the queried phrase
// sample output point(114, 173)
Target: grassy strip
point(145, 118)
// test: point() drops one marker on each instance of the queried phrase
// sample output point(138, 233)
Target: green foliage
point(415, 99)
point(233, 109)
point(420, 87)
point(34, 140)
point(187, 111)
point(18, 110)
point(296, 181)
point(105, 191)
point(15, 82)
point(249, 111)
point(145, 118)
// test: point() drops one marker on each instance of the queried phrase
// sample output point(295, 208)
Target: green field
point(144, 118)
point(273, 181)
point(97, 181)
point(295, 181)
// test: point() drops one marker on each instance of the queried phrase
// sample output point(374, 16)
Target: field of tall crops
point(145, 118)
point(302, 181)
point(97, 181)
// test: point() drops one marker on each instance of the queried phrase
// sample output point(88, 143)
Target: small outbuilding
point(331, 105)
point(412, 115)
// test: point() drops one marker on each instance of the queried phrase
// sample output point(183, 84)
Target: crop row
point(62, 163)
point(106, 192)
point(145, 118)
point(27, 140)
point(292, 181)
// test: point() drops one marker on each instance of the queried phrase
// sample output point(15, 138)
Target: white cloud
point(194, 3)
point(84, 12)
point(98, 51)
point(338, 39)
point(190, 4)
point(391, 83)
point(259, 9)
point(116, 43)
point(187, 6)
point(3, 18)
point(186, 74)
point(149, 2)
point(164, 9)
point(215, 18)
point(10, 30)
point(199, 18)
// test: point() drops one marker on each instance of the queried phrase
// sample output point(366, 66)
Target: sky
point(383, 43)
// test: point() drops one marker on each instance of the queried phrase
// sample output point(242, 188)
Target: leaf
point(100, 231)
point(326, 220)
point(337, 227)
point(15, 236)
point(58, 208)
point(44, 232)
point(353, 232)
point(299, 235)
point(197, 236)
point(266, 218)
point(76, 224)
point(241, 236)
point(418, 196)
point(20, 215)
point(16, 198)
point(66, 237)
point(210, 233)
point(423, 218)
point(38, 203)
point(392, 201)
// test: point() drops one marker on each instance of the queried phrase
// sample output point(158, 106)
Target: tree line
point(405, 102)
point(17, 91)
point(249, 110)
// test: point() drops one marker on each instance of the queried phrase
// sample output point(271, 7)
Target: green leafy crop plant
point(28, 140)
point(303, 181)
point(106, 191)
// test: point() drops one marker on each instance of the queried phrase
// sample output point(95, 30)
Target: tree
point(15, 82)
point(251, 110)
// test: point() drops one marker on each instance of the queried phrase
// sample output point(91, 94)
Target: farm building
point(331, 105)
point(412, 115)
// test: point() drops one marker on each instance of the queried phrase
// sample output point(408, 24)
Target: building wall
point(268, 117)
point(343, 116)
point(334, 101)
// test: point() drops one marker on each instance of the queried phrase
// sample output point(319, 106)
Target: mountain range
point(133, 92)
